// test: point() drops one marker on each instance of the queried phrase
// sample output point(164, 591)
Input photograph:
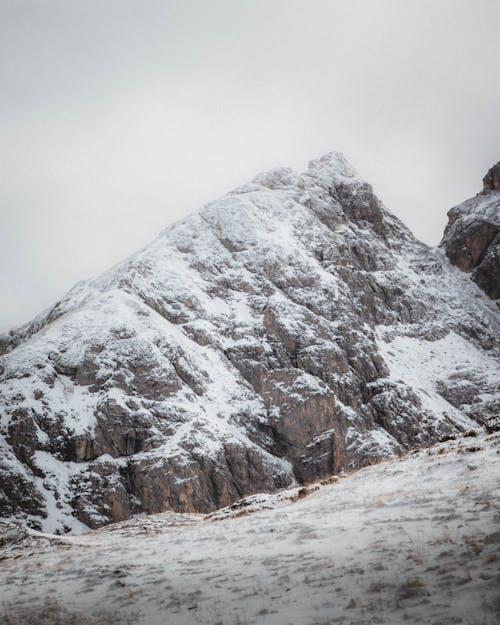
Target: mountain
point(414, 540)
point(292, 329)
point(472, 237)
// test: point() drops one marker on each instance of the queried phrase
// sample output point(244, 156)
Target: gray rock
point(472, 237)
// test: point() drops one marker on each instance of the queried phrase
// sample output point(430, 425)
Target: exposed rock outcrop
point(291, 329)
point(472, 237)
point(491, 182)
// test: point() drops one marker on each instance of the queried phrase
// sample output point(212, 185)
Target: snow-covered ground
point(414, 540)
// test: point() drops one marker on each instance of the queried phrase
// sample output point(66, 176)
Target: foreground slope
point(291, 329)
point(414, 540)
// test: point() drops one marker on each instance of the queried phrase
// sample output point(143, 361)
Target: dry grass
point(52, 612)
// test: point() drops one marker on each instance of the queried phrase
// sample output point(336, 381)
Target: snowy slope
point(274, 337)
point(412, 540)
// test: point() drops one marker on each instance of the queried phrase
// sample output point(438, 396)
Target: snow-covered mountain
point(292, 329)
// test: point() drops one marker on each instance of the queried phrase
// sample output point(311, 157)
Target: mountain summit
point(292, 329)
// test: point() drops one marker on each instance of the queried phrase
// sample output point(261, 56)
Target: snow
point(421, 364)
point(333, 167)
point(479, 208)
point(375, 443)
point(413, 540)
point(56, 477)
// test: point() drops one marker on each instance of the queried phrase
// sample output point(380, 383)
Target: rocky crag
point(472, 237)
point(292, 329)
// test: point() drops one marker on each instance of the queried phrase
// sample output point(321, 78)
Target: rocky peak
point(331, 168)
point(491, 182)
point(471, 238)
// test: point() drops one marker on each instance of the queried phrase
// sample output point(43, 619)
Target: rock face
point(491, 182)
point(472, 237)
point(291, 329)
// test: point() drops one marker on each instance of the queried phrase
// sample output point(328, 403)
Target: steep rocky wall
point(472, 236)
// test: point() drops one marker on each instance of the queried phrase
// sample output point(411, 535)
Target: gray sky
point(118, 117)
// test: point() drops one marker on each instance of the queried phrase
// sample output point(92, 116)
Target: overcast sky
point(118, 117)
